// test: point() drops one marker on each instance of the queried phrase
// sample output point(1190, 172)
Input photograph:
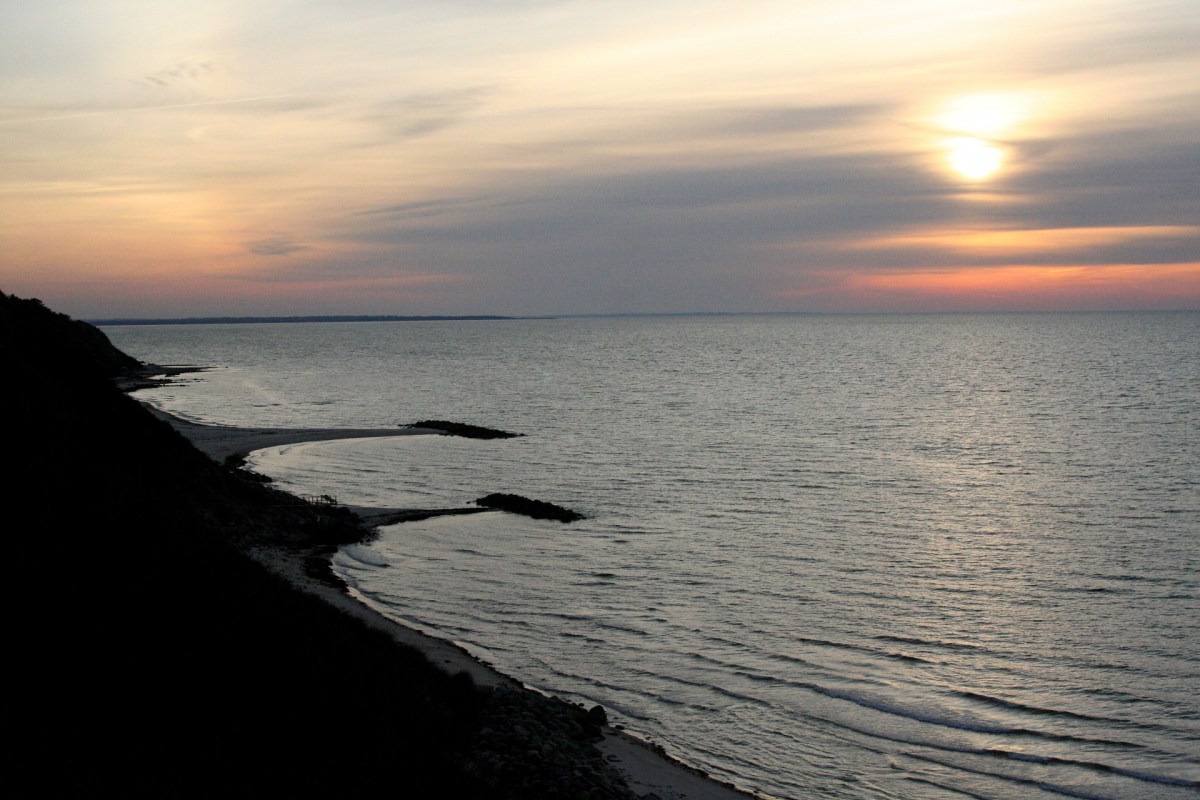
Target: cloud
point(1099, 245)
point(1059, 287)
point(184, 71)
point(419, 209)
point(422, 114)
point(1127, 177)
point(275, 246)
point(1113, 38)
point(272, 104)
point(774, 120)
point(774, 196)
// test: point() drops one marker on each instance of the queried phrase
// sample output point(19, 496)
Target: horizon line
point(317, 318)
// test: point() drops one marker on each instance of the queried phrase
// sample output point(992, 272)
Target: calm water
point(877, 556)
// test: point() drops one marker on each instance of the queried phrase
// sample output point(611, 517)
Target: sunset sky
point(170, 158)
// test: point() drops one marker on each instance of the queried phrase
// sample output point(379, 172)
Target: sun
point(976, 124)
point(974, 159)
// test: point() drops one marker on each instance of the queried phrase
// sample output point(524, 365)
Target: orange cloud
point(1026, 240)
point(1012, 287)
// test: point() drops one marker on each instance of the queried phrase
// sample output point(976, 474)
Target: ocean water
point(944, 556)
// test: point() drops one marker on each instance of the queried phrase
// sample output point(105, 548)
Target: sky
point(164, 158)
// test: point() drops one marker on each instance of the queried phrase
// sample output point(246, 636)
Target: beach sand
point(221, 442)
point(647, 770)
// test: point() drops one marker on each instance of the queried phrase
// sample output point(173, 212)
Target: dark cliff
point(147, 655)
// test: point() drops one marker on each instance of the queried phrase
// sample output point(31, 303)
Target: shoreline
point(647, 769)
point(224, 442)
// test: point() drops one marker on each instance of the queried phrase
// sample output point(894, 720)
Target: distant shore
point(267, 320)
point(646, 768)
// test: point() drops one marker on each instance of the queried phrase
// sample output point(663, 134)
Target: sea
point(824, 556)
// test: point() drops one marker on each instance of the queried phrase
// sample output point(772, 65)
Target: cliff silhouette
point(147, 654)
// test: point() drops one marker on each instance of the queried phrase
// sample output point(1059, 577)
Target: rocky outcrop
point(537, 509)
point(535, 746)
point(463, 429)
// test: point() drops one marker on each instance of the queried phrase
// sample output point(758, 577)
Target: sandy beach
point(648, 771)
point(221, 442)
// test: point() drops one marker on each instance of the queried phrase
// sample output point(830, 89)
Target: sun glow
point(976, 123)
point(974, 159)
point(982, 115)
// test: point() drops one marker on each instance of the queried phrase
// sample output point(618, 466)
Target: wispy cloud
point(25, 116)
point(275, 246)
point(422, 114)
point(419, 208)
point(179, 72)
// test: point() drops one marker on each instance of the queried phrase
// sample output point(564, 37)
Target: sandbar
point(221, 442)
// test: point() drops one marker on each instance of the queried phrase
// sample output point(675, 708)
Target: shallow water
point(877, 556)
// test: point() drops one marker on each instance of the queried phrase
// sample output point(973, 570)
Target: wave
point(928, 643)
point(1097, 766)
point(945, 788)
point(859, 648)
point(998, 755)
point(1000, 702)
point(1141, 776)
point(948, 719)
point(362, 556)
